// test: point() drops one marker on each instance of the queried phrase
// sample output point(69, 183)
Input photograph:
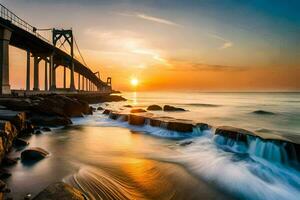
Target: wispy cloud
point(226, 43)
point(151, 18)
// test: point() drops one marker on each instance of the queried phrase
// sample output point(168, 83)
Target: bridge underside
point(54, 57)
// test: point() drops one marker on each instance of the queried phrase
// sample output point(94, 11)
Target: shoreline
point(21, 117)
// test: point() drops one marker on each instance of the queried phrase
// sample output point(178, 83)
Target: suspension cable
point(80, 52)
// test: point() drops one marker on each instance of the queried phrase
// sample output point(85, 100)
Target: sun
point(134, 82)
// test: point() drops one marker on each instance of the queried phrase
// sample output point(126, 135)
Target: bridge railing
point(14, 19)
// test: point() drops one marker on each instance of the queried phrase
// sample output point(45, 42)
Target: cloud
point(151, 18)
point(226, 43)
point(181, 65)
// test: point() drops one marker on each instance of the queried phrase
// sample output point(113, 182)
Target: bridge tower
point(67, 36)
point(5, 35)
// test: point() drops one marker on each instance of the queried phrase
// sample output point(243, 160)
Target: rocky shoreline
point(21, 117)
point(284, 150)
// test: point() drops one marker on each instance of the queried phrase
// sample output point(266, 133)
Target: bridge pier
point(28, 71)
point(46, 74)
point(78, 82)
point(52, 74)
point(82, 82)
point(36, 80)
point(72, 82)
point(5, 35)
point(65, 78)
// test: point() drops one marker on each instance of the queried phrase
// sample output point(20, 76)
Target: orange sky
point(175, 46)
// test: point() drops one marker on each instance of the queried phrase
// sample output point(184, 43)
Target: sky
point(203, 45)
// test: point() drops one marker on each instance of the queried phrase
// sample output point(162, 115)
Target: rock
point(7, 161)
point(38, 132)
point(263, 112)
point(185, 143)
point(2, 185)
point(4, 173)
point(19, 142)
point(52, 121)
point(46, 129)
point(16, 103)
point(8, 132)
point(123, 117)
point(33, 154)
point(128, 106)
point(172, 108)
point(137, 110)
point(154, 107)
point(113, 115)
point(100, 108)
point(203, 126)
point(236, 134)
point(18, 119)
point(60, 191)
point(180, 126)
point(106, 112)
point(27, 196)
point(136, 119)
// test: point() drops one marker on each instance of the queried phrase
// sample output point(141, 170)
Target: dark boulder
point(52, 121)
point(154, 107)
point(19, 142)
point(100, 108)
point(106, 112)
point(33, 154)
point(180, 126)
point(137, 110)
point(46, 129)
point(234, 133)
point(8, 161)
point(203, 126)
point(60, 191)
point(263, 112)
point(136, 119)
point(128, 106)
point(172, 108)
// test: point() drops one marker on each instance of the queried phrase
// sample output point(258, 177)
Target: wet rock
point(136, 119)
point(172, 108)
point(61, 191)
point(203, 126)
point(16, 103)
point(106, 112)
point(38, 132)
point(33, 154)
point(180, 126)
point(113, 115)
point(128, 106)
point(234, 133)
point(4, 173)
point(52, 121)
point(185, 143)
point(123, 117)
point(155, 122)
point(154, 107)
point(8, 132)
point(100, 108)
point(8, 161)
point(46, 129)
point(18, 119)
point(19, 142)
point(137, 110)
point(2, 185)
point(263, 112)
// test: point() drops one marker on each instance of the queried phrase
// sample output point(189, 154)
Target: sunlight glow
point(134, 82)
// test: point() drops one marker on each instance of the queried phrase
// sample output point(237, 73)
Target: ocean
point(109, 159)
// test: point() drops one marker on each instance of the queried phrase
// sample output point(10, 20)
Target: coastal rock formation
point(8, 133)
point(172, 108)
point(33, 154)
point(60, 191)
point(234, 133)
point(18, 119)
point(106, 112)
point(154, 107)
point(137, 110)
point(180, 126)
point(263, 112)
point(136, 119)
point(19, 142)
point(52, 121)
point(100, 108)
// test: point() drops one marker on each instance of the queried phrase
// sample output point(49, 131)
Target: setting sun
point(134, 82)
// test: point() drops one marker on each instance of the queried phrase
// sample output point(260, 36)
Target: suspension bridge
point(59, 51)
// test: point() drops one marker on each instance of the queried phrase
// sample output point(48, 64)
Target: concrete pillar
point(72, 84)
point(46, 75)
point(65, 78)
point(28, 71)
point(78, 81)
point(36, 73)
point(5, 35)
point(87, 84)
point(52, 74)
point(83, 83)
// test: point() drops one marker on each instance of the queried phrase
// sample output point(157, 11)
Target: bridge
point(18, 33)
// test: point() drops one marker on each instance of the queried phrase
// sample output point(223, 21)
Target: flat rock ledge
point(169, 123)
point(60, 191)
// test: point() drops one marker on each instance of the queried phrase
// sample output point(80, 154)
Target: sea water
point(113, 160)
